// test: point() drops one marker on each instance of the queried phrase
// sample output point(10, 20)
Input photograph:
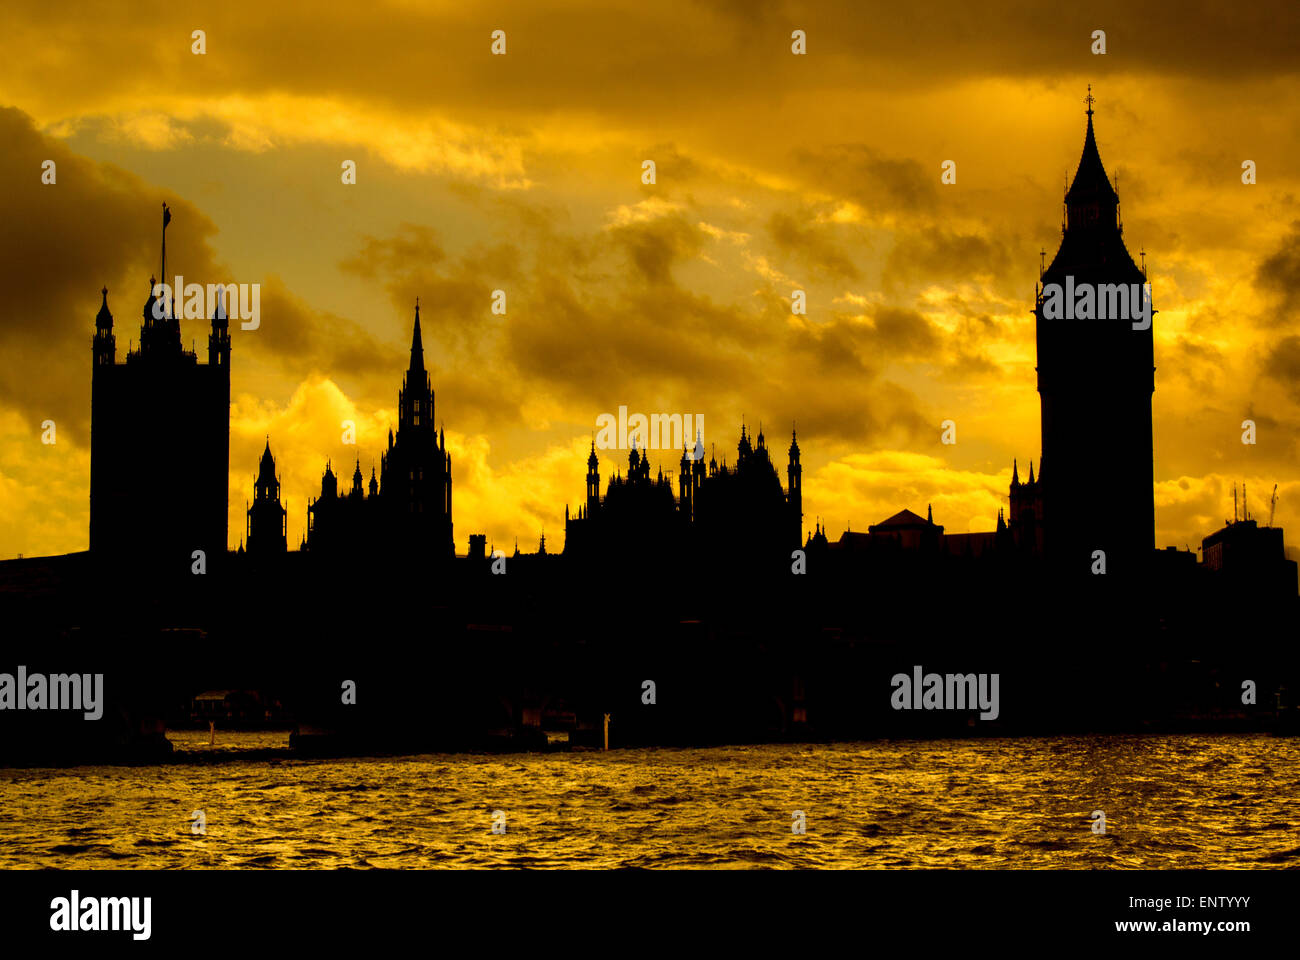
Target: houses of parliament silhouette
point(1092, 493)
point(709, 583)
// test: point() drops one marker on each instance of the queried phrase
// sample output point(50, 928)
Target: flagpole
point(162, 276)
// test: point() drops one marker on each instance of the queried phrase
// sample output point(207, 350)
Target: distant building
point(1250, 556)
point(907, 531)
point(742, 508)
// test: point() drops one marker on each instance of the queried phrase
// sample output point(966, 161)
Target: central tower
point(415, 471)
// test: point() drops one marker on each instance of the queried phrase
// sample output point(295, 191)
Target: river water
point(1169, 802)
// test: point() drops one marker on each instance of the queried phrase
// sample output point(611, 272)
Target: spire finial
point(1090, 99)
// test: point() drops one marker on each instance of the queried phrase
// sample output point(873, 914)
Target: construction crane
point(1272, 505)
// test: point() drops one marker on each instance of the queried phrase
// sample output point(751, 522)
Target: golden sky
point(775, 172)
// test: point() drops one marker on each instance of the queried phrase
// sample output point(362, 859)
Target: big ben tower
point(1096, 377)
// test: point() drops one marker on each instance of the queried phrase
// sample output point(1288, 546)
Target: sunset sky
point(775, 172)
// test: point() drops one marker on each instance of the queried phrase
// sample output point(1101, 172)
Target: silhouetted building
point(741, 509)
point(159, 441)
point(1096, 378)
point(1024, 525)
point(405, 513)
point(908, 531)
point(478, 546)
point(266, 532)
point(1247, 555)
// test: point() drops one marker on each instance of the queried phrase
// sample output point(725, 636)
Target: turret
point(105, 349)
point(266, 525)
point(794, 489)
point(219, 338)
point(593, 481)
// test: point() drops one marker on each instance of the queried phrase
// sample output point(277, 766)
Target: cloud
point(654, 245)
point(96, 225)
point(813, 244)
point(1279, 275)
point(1283, 365)
point(876, 183)
point(306, 340)
point(939, 254)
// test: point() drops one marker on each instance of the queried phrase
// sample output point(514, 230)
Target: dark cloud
point(847, 346)
point(876, 183)
point(1279, 275)
point(654, 246)
point(813, 244)
point(938, 254)
point(1200, 364)
point(605, 352)
point(95, 226)
point(562, 54)
point(1283, 365)
point(455, 294)
point(304, 340)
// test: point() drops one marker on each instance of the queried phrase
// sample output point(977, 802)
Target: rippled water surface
point(1169, 802)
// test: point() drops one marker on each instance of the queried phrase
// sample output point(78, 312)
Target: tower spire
point(417, 344)
point(1091, 201)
